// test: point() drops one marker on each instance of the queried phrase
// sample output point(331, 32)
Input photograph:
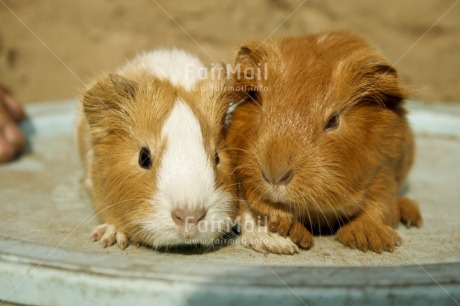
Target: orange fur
point(345, 180)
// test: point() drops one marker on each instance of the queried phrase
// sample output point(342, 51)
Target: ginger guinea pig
point(321, 142)
point(151, 142)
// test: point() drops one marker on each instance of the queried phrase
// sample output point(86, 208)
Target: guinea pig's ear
point(249, 68)
point(245, 55)
point(106, 98)
point(388, 89)
point(124, 87)
point(250, 54)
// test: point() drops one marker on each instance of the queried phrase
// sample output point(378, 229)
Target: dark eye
point(252, 95)
point(145, 160)
point(217, 158)
point(332, 123)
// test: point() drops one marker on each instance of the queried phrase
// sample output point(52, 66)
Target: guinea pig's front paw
point(267, 242)
point(301, 236)
point(295, 230)
point(410, 213)
point(280, 223)
point(108, 235)
point(372, 236)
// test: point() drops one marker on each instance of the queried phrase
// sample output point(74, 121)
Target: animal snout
point(282, 177)
point(183, 216)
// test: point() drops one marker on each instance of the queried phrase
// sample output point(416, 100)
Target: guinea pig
point(320, 141)
point(151, 142)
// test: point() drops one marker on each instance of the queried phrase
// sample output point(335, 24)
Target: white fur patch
point(177, 66)
point(186, 179)
point(185, 172)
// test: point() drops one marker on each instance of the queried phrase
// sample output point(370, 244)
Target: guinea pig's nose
point(184, 216)
point(278, 177)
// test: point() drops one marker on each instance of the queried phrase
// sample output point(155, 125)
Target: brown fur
point(119, 117)
point(345, 180)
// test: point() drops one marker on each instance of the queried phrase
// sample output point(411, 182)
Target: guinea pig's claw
point(98, 232)
point(122, 240)
point(108, 235)
point(301, 236)
point(137, 244)
point(267, 242)
point(410, 213)
point(363, 236)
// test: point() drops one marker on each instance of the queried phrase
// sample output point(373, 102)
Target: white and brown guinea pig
point(151, 142)
point(322, 141)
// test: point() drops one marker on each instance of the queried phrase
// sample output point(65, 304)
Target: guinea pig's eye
point(332, 123)
point(217, 158)
point(252, 95)
point(145, 160)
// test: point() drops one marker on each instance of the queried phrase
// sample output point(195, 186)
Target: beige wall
point(50, 48)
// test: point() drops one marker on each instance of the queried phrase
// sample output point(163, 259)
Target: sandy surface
point(50, 48)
